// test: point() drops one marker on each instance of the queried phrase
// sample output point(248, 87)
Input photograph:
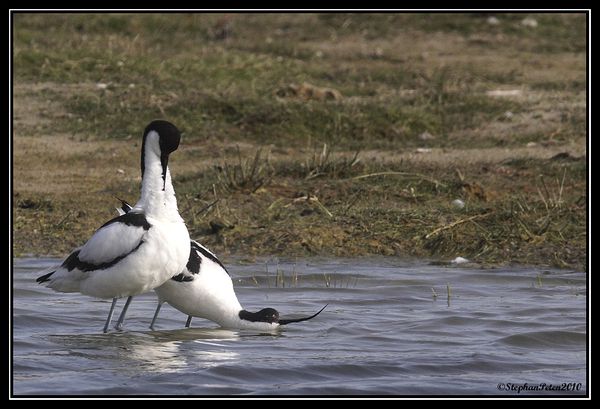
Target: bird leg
point(119, 325)
point(110, 314)
point(155, 316)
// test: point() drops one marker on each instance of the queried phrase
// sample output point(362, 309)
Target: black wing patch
point(45, 277)
point(73, 262)
point(182, 278)
point(130, 219)
point(126, 207)
point(209, 255)
point(193, 264)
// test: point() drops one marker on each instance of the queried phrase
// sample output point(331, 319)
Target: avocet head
point(271, 316)
point(268, 315)
point(162, 138)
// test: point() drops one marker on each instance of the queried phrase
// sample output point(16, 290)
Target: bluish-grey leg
point(155, 315)
point(119, 326)
point(110, 314)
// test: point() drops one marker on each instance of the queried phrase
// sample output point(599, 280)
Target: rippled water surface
point(390, 328)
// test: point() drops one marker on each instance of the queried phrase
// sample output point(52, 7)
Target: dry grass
point(245, 175)
point(431, 108)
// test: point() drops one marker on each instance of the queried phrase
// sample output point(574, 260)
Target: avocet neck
point(158, 196)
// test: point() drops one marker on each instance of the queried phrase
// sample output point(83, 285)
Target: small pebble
point(504, 92)
point(529, 22)
point(493, 21)
point(426, 136)
point(458, 203)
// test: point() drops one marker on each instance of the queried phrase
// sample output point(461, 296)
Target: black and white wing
point(112, 242)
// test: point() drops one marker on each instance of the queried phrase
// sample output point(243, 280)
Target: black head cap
point(169, 135)
point(169, 138)
point(269, 315)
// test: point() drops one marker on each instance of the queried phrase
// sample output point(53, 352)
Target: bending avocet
point(204, 289)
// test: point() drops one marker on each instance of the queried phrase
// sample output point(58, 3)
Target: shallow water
point(384, 332)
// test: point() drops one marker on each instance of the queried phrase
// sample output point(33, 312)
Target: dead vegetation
point(334, 134)
point(246, 175)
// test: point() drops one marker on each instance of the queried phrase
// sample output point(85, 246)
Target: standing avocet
point(138, 251)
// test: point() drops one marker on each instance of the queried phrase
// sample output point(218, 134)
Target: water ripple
point(390, 328)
